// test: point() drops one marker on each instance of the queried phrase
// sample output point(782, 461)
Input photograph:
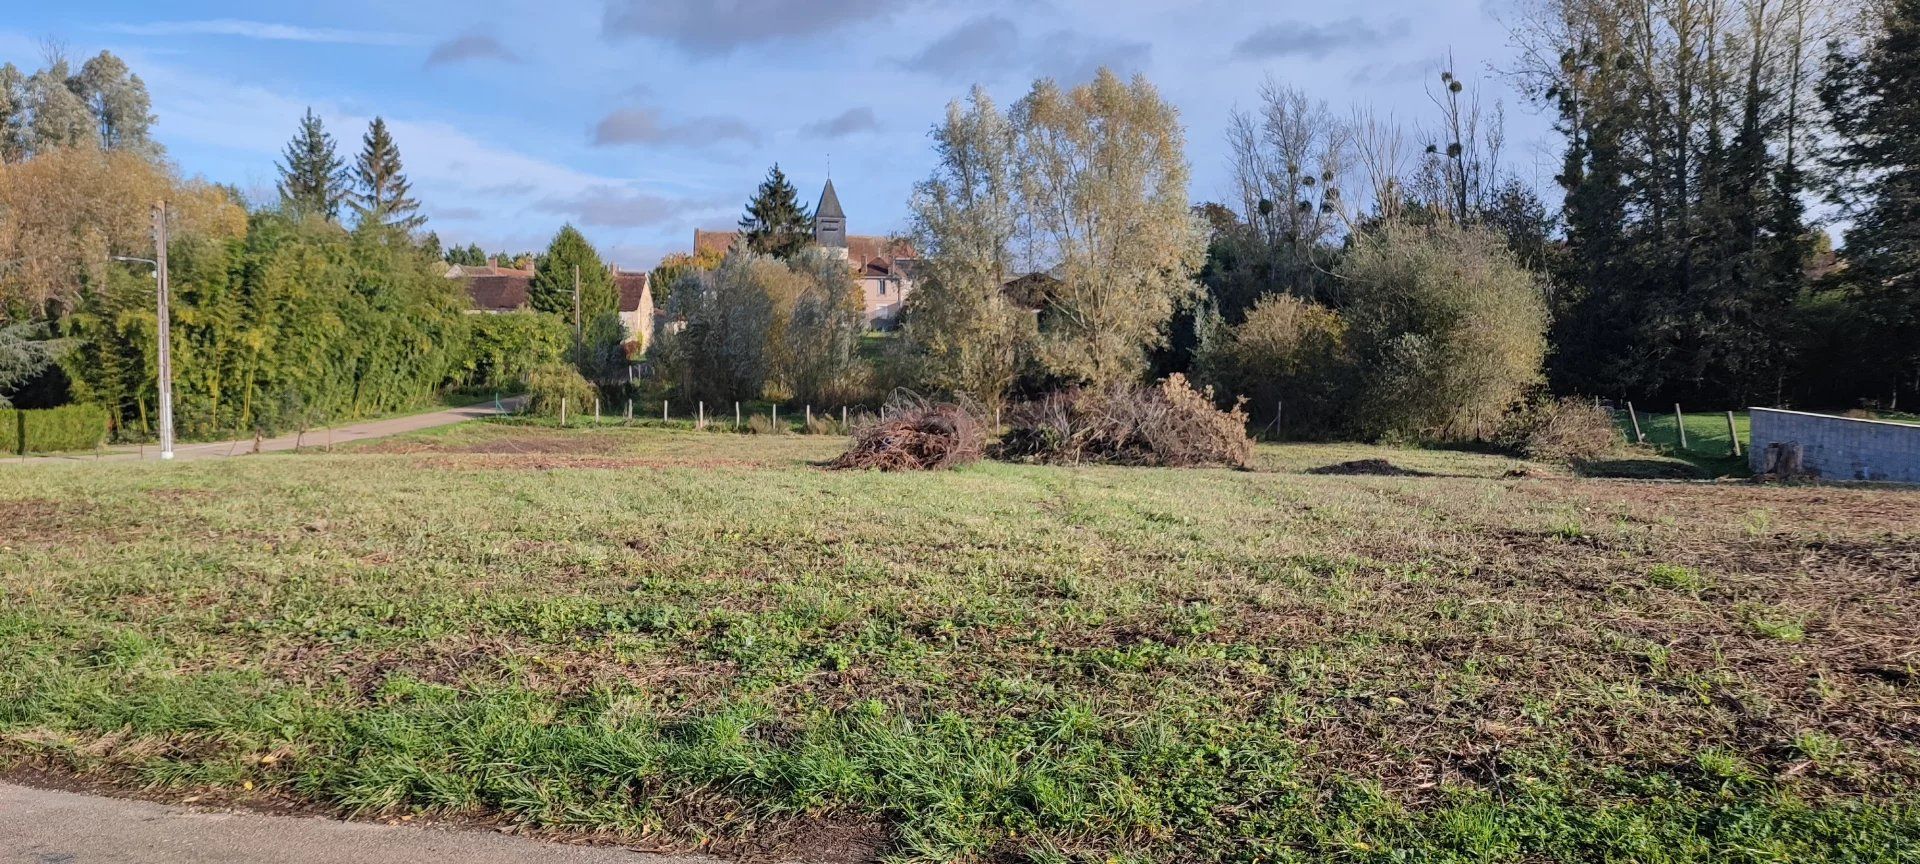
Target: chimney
point(493, 262)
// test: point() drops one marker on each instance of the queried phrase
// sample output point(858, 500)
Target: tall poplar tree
point(776, 223)
point(381, 194)
point(313, 179)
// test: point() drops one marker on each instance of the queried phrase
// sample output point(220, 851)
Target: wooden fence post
point(843, 418)
point(563, 410)
point(629, 414)
point(809, 417)
point(1733, 434)
point(1638, 436)
point(1680, 423)
point(736, 416)
point(776, 418)
point(596, 411)
point(663, 410)
point(701, 421)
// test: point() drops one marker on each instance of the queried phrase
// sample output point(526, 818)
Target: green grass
point(695, 636)
point(1709, 447)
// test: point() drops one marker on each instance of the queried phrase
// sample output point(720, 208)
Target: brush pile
point(1167, 424)
point(915, 434)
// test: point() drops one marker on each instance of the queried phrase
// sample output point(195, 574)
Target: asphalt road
point(39, 826)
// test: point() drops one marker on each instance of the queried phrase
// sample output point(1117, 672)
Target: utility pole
point(576, 299)
point(165, 329)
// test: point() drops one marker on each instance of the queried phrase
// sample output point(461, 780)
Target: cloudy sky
point(639, 120)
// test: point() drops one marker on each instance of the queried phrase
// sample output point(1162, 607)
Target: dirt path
point(314, 438)
point(40, 826)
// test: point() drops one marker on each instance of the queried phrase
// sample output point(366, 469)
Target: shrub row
point(69, 427)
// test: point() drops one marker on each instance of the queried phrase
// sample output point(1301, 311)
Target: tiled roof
point(859, 247)
point(632, 286)
point(462, 271)
point(498, 293)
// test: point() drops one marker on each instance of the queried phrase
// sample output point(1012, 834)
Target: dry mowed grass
point(705, 638)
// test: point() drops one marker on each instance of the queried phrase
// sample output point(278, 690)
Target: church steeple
point(829, 221)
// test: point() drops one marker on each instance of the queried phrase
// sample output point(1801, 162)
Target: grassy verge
point(694, 636)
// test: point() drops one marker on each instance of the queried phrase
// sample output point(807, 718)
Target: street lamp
point(159, 264)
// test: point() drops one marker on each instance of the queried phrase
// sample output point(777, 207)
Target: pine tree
point(380, 197)
point(552, 287)
point(776, 223)
point(313, 179)
point(1873, 97)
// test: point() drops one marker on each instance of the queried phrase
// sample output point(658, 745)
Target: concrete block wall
point(1840, 448)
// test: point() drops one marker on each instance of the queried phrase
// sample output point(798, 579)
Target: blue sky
point(639, 120)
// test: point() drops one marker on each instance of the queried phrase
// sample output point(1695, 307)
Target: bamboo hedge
point(69, 427)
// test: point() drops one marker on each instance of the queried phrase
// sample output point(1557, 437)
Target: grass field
point(702, 639)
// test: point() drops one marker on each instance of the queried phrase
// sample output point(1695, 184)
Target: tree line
point(324, 305)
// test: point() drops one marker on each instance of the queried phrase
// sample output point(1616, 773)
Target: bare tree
point(1289, 160)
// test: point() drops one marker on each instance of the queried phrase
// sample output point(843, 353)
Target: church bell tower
point(829, 221)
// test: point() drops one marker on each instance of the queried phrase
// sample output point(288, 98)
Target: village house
point(494, 289)
point(883, 265)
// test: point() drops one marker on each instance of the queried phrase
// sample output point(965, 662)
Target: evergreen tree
point(1873, 97)
point(313, 179)
point(381, 194)
point(552, 287)
point(776, 223)
point(1685, 246)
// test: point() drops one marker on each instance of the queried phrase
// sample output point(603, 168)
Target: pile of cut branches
point(915, 434)
point(1167, 424)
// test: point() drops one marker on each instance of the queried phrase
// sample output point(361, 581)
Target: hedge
point(69, 427)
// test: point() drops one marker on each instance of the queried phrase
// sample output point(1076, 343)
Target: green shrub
point(1447, 328)
point(1289, 357)
point(550, 383)
point(69, 427)
point(505, 347)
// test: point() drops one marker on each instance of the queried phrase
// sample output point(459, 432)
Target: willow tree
point(962, 332)
point(1102, 176)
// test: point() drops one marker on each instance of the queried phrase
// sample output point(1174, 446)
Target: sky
point(641, 120)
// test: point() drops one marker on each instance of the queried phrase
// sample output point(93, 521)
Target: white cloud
point(461, 177)
point(265, 30)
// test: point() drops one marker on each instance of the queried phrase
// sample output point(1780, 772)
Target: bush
point(762, 424)
point(1566, 430)
point(1447, 328)
point(914, 434)
point(1289, 352)
point(504, 348)
point(1168, 424)
point(69, 427)
point(550, 383)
